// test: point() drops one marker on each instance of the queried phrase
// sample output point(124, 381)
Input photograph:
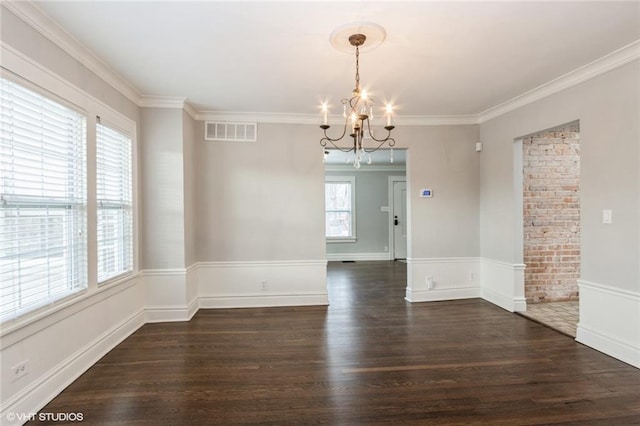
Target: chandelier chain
point(357, 69)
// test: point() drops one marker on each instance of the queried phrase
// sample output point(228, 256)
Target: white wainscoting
point(448, 278)
point(167, 294)
point(64, 344)
point(362, 257)
point(260, 284)
point(610, 321)
point(503, 284)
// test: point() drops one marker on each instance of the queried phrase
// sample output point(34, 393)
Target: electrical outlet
point(264, 285)
point(19, 370)
point(472, 276)
point(386, 248)
point(430, 283)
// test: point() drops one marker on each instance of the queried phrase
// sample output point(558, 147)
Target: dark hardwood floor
point(369, 358)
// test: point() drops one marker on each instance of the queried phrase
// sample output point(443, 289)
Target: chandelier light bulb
point(325, 112)
point(389, 111)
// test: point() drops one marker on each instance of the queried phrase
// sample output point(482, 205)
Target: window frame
point(351, 180)
point(120, 205)
point(72, 212)
point(50, 85)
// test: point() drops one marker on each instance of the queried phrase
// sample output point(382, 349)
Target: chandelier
point(357, 112)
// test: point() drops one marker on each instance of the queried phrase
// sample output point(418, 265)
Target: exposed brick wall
point(552, 215)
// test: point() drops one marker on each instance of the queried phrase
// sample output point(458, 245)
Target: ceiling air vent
point(226, 131)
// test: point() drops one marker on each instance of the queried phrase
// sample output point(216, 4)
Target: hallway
point(368, 358)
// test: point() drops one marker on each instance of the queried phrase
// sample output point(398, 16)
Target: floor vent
point(226, 131)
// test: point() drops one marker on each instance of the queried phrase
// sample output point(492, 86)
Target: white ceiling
point(439, 58)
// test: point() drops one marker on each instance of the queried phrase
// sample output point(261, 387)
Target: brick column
point(552, 215)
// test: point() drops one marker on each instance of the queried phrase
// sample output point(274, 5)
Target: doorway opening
point(375, 214)
point(551, 225)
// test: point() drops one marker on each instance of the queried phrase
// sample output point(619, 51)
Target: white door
point(399, 220)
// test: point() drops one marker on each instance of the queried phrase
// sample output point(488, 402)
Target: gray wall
point(442, 158)
point(190, 183)
point(163, 218)
point(609, 113)
point(261, 201)
point(372, 225)
point(265, 200)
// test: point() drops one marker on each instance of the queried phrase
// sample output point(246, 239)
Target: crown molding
point(294, 118)
point(41, 22)
point(162, 102)
point(258, 117)
point(190, 110)
point(168, 102)
point(598, 67)
point(435, 120)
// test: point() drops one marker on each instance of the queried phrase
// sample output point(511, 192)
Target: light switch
point(607, 216)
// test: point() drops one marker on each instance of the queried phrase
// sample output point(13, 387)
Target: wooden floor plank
point(368, 358)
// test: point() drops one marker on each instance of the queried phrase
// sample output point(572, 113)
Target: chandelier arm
point(388, 139)
point(323, 143)
point(368, 150)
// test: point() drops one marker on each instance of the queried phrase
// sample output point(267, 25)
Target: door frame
point(392, 180)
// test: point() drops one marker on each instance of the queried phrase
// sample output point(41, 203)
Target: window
point(340, 208)
point(43, 203)
point(115, 203)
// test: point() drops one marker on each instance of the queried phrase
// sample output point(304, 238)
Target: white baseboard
point(168, 294)
point(171, 313)
point(362, 257)
point(261, 301)
point(440, 295)
point(447, 278)
point(503, 284)
point(610, 321)
point(262, 284)
point(41, 391)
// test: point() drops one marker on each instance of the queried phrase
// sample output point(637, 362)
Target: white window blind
point(115, 203)
point(43, 222)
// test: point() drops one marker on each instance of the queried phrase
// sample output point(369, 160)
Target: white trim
point(41, 22)
point(161, 313)
point(262, 283)
point(611, 61)
point(339, 257)
point(264, 301)
point(15, 331)
point(442, 278)
point(162, 102)
point(41, 391)
point(416, 296)
point(440, 260)
point(610, 321)
point(502, 284)
point(260, 263)
point(164, 272)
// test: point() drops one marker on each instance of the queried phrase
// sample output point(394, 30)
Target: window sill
point(341, 240)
